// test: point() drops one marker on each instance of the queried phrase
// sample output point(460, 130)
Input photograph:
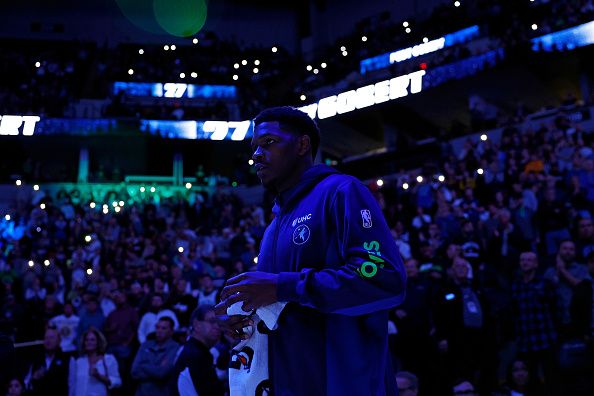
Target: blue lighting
point(565, 40)
point(175, 90)
point(385, 60)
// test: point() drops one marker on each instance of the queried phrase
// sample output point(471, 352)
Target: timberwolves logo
point(301, 234)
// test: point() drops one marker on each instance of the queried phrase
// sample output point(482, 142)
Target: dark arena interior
point(130, 189)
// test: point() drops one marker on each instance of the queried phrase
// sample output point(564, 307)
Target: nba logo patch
point(366, 217)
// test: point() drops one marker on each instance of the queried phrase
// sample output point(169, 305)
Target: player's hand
point(233, 325)
point(256, 289)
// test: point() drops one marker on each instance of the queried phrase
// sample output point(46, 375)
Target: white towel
point(248, 368)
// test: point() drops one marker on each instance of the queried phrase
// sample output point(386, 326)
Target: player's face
point(275, 154)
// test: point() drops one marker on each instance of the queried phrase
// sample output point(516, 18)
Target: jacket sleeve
point(161, 369)
point(72, 377)
point(138, 366)
point(113, 371)
point(372, 276)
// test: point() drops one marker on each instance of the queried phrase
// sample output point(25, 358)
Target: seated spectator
point(48, 373)
point(150, 319)
point(155, 361)
point(94, 373)
point(408, 383)
point(195, 365)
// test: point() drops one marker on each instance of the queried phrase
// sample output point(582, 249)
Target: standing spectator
point(94, 373)
point(462, 326)
point(182, 301)
point(196, 362)
point(155, 361)
point(67, 323)
point(553, 218)
point(534, 310)
point(120, 329)
point(149, 319)
point(90, 316)
point(208, 294)
point(585, 238)
point(413, 321)
point(565, 275)
point(49, 372)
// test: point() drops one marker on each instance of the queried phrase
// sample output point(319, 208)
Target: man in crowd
point(534, 312)
point(194, 368)
point(155, 361)
point(156, 312)
point(67, 323)
point(48, 375)
point(565, 275)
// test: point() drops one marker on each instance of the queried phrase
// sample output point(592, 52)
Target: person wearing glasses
point(194, 367)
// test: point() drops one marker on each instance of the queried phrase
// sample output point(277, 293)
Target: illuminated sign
point(175, 90)
point(385, 60)
point(568, 39)
point(366, 96)
point(417, 50)
point(11, 125)
point(210, 130)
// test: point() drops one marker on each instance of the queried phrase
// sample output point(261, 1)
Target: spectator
point(120, 329)
point(155, 361)
point(585, 238)
point(520, 381)
point(565, 276)
point(208, 294)
point(463, 327)
point(463, 388)
point(16, 387)
point(94, 373)
point(414, 322)
point(150, 319)
point(553, 217)
point(182, 301)
point(67, 325)
point(196, 362)
point(408, 383)
point(534, 307)
point(90, 316)
point(49, 371)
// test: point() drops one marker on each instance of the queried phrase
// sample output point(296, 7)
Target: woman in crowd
point(94, 373)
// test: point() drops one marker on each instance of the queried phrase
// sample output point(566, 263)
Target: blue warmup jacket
point(341, 272)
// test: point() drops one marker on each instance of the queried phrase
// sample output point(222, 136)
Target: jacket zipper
point(278, 218)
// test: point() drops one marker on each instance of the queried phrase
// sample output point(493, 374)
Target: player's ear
point(304, 145)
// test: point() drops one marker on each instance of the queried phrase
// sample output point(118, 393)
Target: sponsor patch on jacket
point(301, 219)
